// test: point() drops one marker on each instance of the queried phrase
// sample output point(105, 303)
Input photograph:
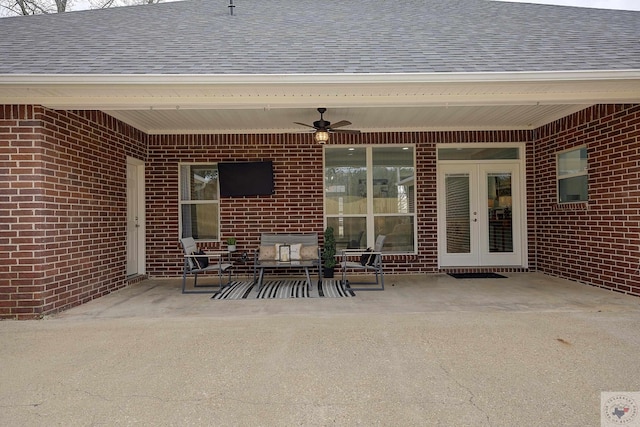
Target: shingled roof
point(385, 65)
point(333, 36)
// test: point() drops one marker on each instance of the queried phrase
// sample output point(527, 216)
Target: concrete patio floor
point(529, 350)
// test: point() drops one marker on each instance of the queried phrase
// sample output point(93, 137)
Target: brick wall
point(597, 242)
point(296, 205)
point(293, 207)
point(63, 192)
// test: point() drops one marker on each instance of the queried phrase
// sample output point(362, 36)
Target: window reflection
point(199, 208)
point(371, 191)
point(499, 210)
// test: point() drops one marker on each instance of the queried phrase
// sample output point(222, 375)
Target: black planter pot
point(327, 273)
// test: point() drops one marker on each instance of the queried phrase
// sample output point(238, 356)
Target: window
point(572, 176)
point(371, 191)
point(481, 153)
point(199, 202)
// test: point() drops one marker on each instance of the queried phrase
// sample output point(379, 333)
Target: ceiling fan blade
point(304, 124)
point(354, 131)
point(340, 124)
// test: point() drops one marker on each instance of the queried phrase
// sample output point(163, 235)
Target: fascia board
point(314, 79)
point(297, 91)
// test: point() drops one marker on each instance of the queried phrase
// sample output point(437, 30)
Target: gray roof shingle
point(332, 36)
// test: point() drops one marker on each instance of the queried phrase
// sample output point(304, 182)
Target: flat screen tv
point(245, 178)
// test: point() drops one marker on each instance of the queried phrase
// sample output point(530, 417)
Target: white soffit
point(271, 103)
point(366, 119)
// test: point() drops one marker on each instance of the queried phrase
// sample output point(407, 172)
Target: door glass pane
point(458, 221)
point(500, 218)
point(393, 180)
point(350, 232)
point(345, 181)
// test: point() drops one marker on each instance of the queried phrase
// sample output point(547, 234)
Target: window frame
point(371, 215)
point(182, 202)
point(582, 173)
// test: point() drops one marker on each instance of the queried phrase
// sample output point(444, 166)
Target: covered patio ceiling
point(239, 104)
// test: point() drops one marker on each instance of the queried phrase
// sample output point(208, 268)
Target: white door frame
point(136, 214)
point(520, 256)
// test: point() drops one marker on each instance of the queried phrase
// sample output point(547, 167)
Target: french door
point(480, 214)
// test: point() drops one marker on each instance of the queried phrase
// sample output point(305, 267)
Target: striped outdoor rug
point(329, 288)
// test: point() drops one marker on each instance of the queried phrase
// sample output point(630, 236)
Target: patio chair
point(359, 261)
point(355, 243)
point(193, 266)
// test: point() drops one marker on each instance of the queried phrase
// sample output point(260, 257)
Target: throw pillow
point(290, 252)
point(295, 251)
point(277, 249)
point(309, 252)
point(200, 261)
point(367, 259)
point(267, 253)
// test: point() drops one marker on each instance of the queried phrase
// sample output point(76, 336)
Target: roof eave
point(126, 92)
point(336, 78)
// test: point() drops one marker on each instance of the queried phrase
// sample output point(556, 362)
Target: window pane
point(393, 180)
point(199, 182)
point(500, 153)
point(200, 221)
point(573, 189)
point(572, 176)
point(398, 231)
point(572, 162)
point(345, 181)
point(350, 232)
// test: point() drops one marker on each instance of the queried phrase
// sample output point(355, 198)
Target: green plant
point(231, 240)
point(329, 249)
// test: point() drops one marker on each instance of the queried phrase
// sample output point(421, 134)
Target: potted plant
point(328, 253)
point(231, 244)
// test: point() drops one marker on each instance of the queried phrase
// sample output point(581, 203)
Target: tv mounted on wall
point(245, 178)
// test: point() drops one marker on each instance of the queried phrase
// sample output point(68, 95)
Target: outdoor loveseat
point(293, 251)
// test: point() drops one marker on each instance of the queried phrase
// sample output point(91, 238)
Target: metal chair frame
point(190, 267)
point(376, 266)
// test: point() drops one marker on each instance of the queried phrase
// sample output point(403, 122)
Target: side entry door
point(135, 218)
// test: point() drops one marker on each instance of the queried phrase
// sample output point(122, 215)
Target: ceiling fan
point(323, 127)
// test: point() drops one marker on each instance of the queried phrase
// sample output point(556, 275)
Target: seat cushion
point(355, 265)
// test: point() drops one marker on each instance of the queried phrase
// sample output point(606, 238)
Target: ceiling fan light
point(321, 136)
